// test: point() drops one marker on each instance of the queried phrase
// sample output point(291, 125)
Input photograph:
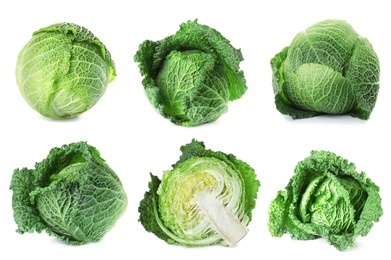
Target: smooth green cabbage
point(327, 69)
point(326, 198)
point(207, 198)
point(63, 70)
point(72, 194)
point(190, 77)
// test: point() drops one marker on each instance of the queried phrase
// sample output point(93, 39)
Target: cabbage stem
point(231, 229)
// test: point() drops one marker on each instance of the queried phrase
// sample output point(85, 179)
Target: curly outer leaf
point(278, 212)
point(149, 213)
point(25, 214)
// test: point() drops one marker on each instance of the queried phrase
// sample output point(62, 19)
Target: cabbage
point(207, 198)
point(326, 197)
point(327, 69)
point(190, 77)
point(72, 194)
point(63, 70)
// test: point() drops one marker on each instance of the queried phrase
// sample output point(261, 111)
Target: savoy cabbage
point(327, 69)
point(207, 198)
point(72, 194)
point(63, 70)
point(326, 197)
point(190, 77)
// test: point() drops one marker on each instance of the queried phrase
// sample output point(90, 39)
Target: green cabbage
point(190, 76)
point(72, 194)
point(63, 70)
point(327, 69)
point(326, 198)
point(207, 198)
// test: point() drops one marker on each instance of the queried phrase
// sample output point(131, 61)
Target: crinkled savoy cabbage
point(327, 69)
point(72, 194)
point(326, 198)
point(207, 198)
point(190, 76)
point(63, 70)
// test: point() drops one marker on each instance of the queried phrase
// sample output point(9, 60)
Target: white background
point(135, 140)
